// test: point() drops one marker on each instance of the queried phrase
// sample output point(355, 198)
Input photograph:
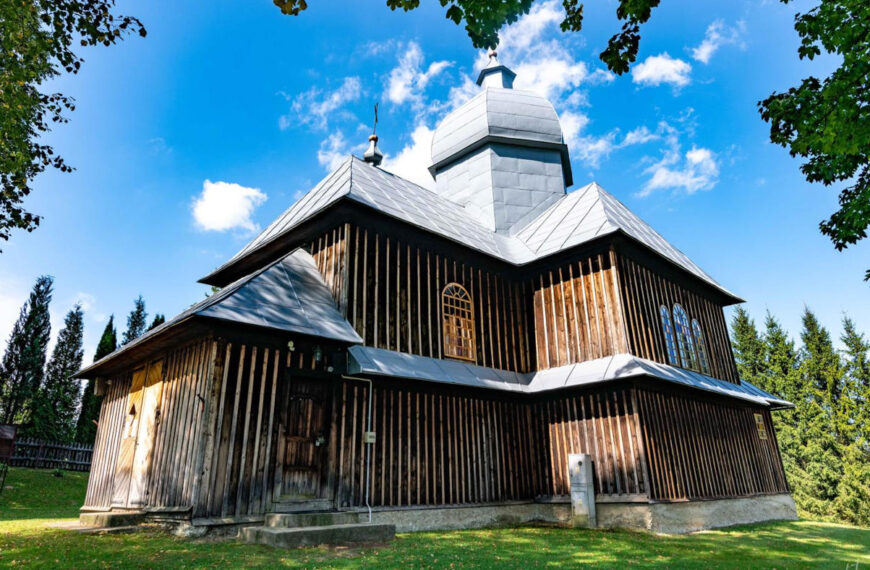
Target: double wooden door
point(304, 412)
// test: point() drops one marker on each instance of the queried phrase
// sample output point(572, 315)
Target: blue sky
point(188, 141)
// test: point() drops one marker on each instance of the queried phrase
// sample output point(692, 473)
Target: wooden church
point(430, 359)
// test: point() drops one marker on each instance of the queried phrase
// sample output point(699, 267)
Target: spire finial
point(373, 154)
point(495, 74)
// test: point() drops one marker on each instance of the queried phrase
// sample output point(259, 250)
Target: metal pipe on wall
point(368, 444)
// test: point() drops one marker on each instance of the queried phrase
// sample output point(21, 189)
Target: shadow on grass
point(38, 494)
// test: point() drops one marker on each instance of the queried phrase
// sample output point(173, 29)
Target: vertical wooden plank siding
point(707, 450)
point(577, 314)
point(107, 442)
point(644, 291)
point(390, 292)
point(463, 447)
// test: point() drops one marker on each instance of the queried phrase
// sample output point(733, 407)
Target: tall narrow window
point(701, 343)
point(457, 321)
point(668, 331)
point(684, 338)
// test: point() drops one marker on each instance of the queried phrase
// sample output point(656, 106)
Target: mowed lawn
point(34, 499)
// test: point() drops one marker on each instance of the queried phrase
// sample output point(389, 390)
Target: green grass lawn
point(32, 499)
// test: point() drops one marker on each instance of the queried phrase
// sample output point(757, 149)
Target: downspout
point(367, 444)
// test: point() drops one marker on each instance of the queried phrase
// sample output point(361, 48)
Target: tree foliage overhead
point(484, 18)
point(827, 121)
point(37, 38)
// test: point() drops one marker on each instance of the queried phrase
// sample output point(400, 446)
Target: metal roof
point(496, 112)
point(288, 294)
point(578, 217)
point(382, 362)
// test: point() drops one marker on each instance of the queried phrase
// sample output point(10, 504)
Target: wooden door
point(303, 440)
point(146, 435)
point(124, 465)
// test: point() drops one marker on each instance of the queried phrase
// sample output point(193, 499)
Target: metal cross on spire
point(374, 155)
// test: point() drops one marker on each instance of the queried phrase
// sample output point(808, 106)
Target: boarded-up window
point(759, 423)
point(457, 312)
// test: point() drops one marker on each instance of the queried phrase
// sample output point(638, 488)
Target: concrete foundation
point(666, 518)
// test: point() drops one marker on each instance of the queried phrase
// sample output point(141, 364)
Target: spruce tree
point(24, 360)
point(748, 348)
point(136, 321)
point(86, 426)
point(53, 416)
point(853, 491)
point(820, 382)
point(159, 319)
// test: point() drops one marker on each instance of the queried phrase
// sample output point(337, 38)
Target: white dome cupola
point(501, 154)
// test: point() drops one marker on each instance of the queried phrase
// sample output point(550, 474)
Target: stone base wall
point(666, 518)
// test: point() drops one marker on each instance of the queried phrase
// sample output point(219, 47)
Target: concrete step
point(110, 519)
point(280, 520)
point(316, 535)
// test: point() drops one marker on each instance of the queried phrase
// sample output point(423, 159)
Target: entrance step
point(110, 519)
point(282, 537)
point(280, 520)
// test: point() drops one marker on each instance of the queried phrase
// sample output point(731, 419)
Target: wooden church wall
point(157, 469)
point(603, 423)
point(578, 312)
point(644, 291)
point(700, 449)
point(107, 442)
point(434, 446)
point(390, 291)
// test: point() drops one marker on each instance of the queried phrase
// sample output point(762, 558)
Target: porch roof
point(381, 362)
point(288, 295)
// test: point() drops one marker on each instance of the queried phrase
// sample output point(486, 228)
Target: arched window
point(457, 321)
point(684, 338)
point(701, 342)
point(668, 331)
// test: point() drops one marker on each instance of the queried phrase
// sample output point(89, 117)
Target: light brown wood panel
point(577, 314)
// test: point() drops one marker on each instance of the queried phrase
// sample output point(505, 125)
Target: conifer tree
point(24, 360)
point(820, 380)
point(853, 491)
point(53, 417)
point(136, 321)
point(748, 348)
point(86, 427)
point(159, 319)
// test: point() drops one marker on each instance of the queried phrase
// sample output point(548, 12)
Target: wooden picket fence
point(37, 454)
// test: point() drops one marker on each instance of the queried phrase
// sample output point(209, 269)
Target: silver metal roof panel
point(382, 362)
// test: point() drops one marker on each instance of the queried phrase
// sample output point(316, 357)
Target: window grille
point(685, 341)
point(457, 320)
point(701, 343)
point(668, 330)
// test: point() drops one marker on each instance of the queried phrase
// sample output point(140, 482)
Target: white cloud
point(591, 150)
point(333, 151)
point(718, 35)
point(535, 49)
point(639, 135)
point(662, 68)
point(88, 304)
point(413, 160)
point(696, 170)
point(226, 206)
point(408, 80)
point(315, 108)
